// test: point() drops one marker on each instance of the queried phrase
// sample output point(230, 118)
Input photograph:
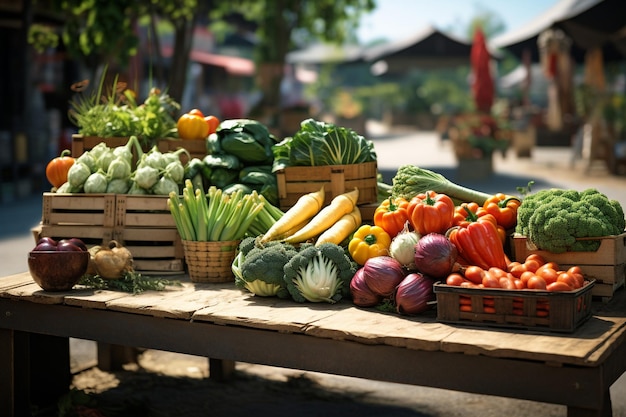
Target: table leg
point(14, 373)
point(221, 370)
point(605, 411)
point(50, 375)
point(113, 357)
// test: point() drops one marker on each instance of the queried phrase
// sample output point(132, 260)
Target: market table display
point(220, 321)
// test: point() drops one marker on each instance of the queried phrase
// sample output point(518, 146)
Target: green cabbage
point(320, 143)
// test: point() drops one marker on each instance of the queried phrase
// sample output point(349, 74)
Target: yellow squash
point(306, 207)
point(329, 215)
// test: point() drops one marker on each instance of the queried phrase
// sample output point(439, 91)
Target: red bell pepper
point(431, 212)
point(466, 213)
point(478, 242)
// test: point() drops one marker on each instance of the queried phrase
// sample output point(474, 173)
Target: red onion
point(382, 274)
point(413, 294)
point(362, 296)
point(435, 255)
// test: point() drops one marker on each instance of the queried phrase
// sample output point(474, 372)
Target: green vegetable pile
point(239, 157)
point(308, 273)
point(558, 220)
point(111, 170)
point(320, 143)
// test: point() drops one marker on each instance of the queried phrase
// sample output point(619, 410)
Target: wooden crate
point(196, 148)
point(607, 265)
point(81, 144)
point(78, 209)
point(537, 310)
point(150, 211)
point(155, 250)
point(90, 235)
point(293, 182)
point(142, 223)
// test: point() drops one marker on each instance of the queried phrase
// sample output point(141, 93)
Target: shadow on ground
point(147, 394)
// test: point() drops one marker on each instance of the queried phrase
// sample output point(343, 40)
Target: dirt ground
point(164, 384)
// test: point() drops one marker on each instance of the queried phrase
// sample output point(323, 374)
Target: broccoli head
point(261, 269)
point(555, 219)
point(321, 273)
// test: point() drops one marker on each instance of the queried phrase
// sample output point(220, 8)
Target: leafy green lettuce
point(321, 143)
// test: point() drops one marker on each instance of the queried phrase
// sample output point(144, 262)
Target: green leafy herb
point(132, 282)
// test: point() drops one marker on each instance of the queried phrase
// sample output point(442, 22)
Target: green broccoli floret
point(321, 273)
point(553, 219)
point(261, 269)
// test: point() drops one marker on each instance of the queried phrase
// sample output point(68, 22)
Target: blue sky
point(398, 19)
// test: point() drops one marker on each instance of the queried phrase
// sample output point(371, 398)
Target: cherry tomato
point(490, 281)
point(547, 273)
point(536, 257)
point(568, 279)
point(455, 279)
point(525, 277)
point(474, 274)
point(558, 286)
point(532, 264)
point(536, 283)
point(518, 270)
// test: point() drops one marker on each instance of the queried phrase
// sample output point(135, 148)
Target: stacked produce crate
point(142, 223)
point(607, 265)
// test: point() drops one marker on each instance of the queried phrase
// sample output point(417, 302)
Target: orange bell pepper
point(479, 244)
point(466, 213)
point(431, 212)
point(504, 209)
point(392, 215)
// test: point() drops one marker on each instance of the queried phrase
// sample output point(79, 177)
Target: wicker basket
point(210, 261)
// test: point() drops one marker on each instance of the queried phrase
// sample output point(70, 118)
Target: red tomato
point(547, 273)
point(558, 286)
point(536, 283)
point(568, 279)
point(532, 264)
point(455, 279)
point(474, 274)
point(536, 257)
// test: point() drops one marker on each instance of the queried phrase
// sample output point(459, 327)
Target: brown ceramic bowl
point(57, 271)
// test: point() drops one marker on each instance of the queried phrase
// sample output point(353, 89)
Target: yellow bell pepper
point(368, 242)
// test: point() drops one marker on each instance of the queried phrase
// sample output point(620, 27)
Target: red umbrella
point(482, 81)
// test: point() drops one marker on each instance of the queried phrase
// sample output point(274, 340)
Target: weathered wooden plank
point(176, 302)
point(373, 327)
point(16, 280)
point(265, 313)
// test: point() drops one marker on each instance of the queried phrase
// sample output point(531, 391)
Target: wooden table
point(219, 321)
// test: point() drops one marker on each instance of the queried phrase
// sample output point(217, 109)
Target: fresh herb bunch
point(116, 113)
point(132, 282)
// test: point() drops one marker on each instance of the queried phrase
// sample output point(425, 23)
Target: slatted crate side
point(143, 211)
point(524, 309)
point(196, 148)
point(90, 235)
point(607, 265)
point(295, 181)
point(612, 251)
point(153, 249)
point(78, 209)
point(81, 143)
